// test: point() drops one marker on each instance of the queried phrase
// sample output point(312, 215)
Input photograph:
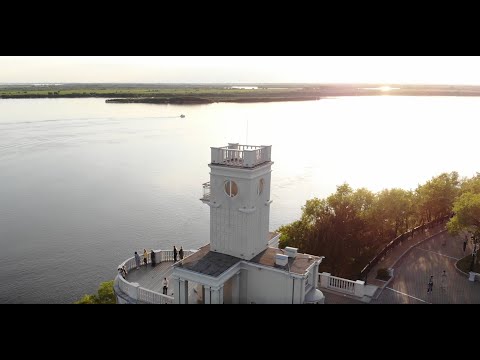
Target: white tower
point(239, 198)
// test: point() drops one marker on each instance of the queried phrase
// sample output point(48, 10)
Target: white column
point(236, 289)
point(207, 299)
point(217, 295)
point(183, 291)
point(176, 290)
point(315, 275)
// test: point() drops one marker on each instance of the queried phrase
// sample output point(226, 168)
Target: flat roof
point(208, 262)
point(214, 264)
point(240, 166)
point(297, 265)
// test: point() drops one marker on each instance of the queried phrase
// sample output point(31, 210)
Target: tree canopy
point(467, 208)
point(350, 226)
point(105, 295)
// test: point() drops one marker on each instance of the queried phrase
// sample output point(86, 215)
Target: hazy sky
point(240, 69)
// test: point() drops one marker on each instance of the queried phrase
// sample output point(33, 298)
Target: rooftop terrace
point(242, 156)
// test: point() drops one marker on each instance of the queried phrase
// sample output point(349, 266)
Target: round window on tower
point(231, 188)
point(261, 184)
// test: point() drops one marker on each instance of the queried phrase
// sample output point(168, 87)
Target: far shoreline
point(185, 94)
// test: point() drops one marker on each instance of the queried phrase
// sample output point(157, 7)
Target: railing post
point(324, 276)
point(267, 151)
point(215, 155)
point(359, 288)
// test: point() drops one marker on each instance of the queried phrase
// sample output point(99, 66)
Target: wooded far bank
point(210, 93)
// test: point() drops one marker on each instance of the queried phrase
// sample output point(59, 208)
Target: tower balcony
point(206, 192)
point(242, 156)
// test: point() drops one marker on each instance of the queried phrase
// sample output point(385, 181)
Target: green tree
point(471, 185)
point(333, 227)
point(350, 226)
point(394, 211)
point(467, 214)
point(105, 295)
point(435, 198)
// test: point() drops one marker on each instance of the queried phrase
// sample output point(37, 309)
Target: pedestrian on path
point(145, 257)
point(137, 260)
point(444, 281)
point(465, 244)
point(180, 252)
point(430, 285)
point(175, 252)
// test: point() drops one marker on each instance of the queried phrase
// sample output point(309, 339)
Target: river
point(83, 184)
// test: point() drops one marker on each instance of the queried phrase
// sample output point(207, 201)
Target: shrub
point(105, 295)
point(383, 274)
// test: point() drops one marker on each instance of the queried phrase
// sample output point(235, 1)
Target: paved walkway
point(431, 257)
point(397, 252)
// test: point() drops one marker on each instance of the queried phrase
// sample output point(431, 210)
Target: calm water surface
point(83, 184)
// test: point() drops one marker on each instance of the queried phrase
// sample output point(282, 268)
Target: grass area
point(464, 264)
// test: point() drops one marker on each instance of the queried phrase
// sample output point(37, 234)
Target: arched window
point(231, 188)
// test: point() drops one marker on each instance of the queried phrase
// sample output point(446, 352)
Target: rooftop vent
point(291, 251)
point(281, 260)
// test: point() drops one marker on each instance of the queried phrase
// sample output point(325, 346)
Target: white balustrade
point(152, 297)
point(340, 284)
point(355, 288)
point(241, 155)
point(125, 286)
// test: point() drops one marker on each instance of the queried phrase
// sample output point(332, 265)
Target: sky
point(241, 69)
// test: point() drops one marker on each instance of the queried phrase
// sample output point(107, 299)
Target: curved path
point(431, 257)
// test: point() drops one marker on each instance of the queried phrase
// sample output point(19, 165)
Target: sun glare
point(385, 88)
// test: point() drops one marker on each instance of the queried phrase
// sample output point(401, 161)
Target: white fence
point(355, 288)
point(152, 297)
